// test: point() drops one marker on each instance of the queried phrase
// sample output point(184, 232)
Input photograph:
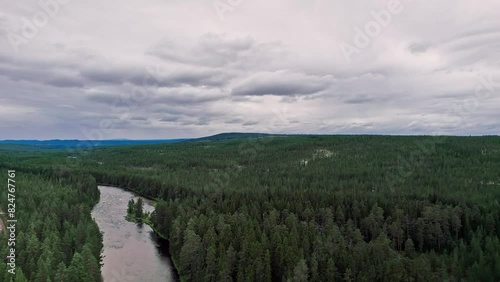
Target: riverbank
point(174, 261)
point(147, 220)
point(154, 200)
point(132, 252)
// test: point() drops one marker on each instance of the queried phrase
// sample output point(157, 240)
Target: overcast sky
point(178, 68)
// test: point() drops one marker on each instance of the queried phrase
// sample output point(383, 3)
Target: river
point(132, 252)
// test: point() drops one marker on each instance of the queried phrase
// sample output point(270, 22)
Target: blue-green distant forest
point(272, 207)
point(81, 144)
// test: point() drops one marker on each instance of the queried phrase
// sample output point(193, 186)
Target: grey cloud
point(215, 50)
point(197, 122)
point(23, 72)
point(195, 78)
point(114, 123)
point(170, 119)
point(417, 48)
point(187, 111)
point(139, 118)
point(62, 81)
point(101, 73)
point(365, 98)
point(105, 75)
point(203, 121)
point(282, 84)
point(4, 24)
point(182, 96)
point(104, 98)
point(234, 121)
point(477, 43)
point(210, 50)
point(477, 30)
point(35, 71)
point(175, 77)
point(225, 76)
point(249, 123)
point(174, 98)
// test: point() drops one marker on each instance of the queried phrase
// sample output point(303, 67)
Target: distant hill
point(35, 145)
point(235, 135)
point(62, 144)
point(12, 148)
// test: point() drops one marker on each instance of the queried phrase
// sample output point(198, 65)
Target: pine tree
point(315, 276)
point(267, 267)
point(410, 248)
point(90, 262)
point(44, 271)
point(348, 275)
point(76, 271)
point(130, 207)
point(139, 209)
point(211, 265)
point(192, 256)
point(61, 275)
point(331, 270)
point(20, 276)
point(300, 272)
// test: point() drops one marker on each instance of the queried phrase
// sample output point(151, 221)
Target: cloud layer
point(173, 69)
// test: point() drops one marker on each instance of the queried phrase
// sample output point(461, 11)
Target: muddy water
point(132, 252)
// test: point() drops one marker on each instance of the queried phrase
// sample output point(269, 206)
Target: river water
point(132, 252)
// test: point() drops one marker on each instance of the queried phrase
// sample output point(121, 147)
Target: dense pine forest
point(56, 240)
point(296, 208)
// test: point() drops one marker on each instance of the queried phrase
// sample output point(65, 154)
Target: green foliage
point(53, 225)
point(318, 208)
point(138, 209)
point(135, 212)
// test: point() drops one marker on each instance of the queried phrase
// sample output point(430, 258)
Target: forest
point(275, 208)
point(56, 238)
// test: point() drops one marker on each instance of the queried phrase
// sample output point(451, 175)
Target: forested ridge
point(314, 208)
